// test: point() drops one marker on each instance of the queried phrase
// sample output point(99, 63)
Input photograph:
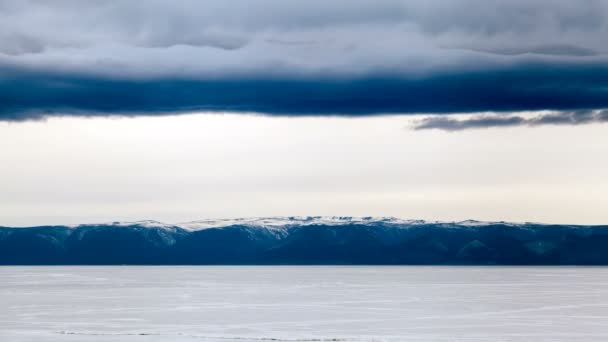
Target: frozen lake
point(124, 303)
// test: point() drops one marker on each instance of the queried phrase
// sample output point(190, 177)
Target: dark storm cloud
point(356, 57)
point(577, 117)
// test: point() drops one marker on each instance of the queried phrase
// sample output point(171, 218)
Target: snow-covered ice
point(50, 304)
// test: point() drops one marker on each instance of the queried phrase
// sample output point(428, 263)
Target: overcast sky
point(179, 110)
point(345, 57)
point(176, 169)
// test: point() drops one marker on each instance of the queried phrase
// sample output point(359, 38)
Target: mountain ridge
point(306, 240)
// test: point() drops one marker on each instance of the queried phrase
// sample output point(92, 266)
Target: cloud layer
point(577, 117)
point(355, 57)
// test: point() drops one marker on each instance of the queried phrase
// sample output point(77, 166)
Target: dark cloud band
point(27, 95)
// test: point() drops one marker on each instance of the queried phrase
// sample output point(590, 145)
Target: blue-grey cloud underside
point(576, 117)
point(305, 58)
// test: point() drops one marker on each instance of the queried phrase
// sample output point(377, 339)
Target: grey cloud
point(557, 50)
point(574, 118)
point(18, 44)
point(288, 57)
point(577, 117)
point(483, 121)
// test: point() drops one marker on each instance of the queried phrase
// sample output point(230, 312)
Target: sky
point(182, 110)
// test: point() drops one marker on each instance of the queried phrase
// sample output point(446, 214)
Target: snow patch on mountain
point(279, 223)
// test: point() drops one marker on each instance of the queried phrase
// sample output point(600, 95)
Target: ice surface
point(223, 303)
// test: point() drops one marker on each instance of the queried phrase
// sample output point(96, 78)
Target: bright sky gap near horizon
point(453, 110)
point(182, 168)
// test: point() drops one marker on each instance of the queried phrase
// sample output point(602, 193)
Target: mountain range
point(306, 240)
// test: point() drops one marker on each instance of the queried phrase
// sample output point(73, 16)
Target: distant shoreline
point(307, 241)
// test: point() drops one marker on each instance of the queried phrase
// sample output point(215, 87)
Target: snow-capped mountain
point(291, 221)
point(306, 240)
